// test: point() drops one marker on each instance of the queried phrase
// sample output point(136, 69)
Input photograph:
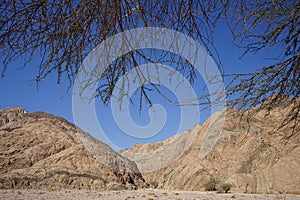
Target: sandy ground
point(146, 194)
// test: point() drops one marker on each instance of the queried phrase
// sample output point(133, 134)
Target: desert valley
point(41, 154)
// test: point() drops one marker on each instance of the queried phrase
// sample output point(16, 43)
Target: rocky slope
point(39, 150)
point(153, 156)
point(253, 155)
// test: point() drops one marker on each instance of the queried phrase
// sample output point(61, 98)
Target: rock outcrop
point(42, 151)
point(11, 114)
point(252, 154)
point(39, 150)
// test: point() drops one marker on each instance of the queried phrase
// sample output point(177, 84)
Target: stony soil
point(142, 194)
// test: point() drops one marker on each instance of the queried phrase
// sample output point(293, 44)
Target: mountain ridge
point(252, 154)
point(42, 151)
point(39, 150)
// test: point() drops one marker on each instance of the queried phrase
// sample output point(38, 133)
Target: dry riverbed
point(142, 194)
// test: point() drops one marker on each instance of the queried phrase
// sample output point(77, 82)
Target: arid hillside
point(39, 150)
point(251, 154)
point(42, 151)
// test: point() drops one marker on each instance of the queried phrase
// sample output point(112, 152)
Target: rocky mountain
point(154, 156)
point(252, 154)
point(39, 150)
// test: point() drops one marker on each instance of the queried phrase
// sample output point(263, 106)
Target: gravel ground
point(143, 194)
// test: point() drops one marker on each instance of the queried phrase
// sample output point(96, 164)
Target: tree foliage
point(62, 33)
point(271, 26)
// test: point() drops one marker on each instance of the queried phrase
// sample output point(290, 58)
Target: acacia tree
point(62, 33)
point(268, 26)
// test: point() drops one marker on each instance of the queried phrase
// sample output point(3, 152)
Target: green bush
point(214, 184)
point(147, 184)
point(211, 184)
point(225, 187)
point(154, 184)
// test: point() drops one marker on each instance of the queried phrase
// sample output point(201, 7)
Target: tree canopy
point(62, 33)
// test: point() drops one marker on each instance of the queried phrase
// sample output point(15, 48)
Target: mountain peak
point(39, 150)
point(252, 155)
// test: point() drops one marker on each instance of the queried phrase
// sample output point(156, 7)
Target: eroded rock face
point(252, 155)
point(154, 156)
point(11, 114)
point(39, 150)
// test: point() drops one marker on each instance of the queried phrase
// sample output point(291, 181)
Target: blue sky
point(18, 89)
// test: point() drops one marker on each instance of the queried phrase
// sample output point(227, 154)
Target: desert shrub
point(211, 184)
point(147, 184)
point(225, 187)
point(152, 184)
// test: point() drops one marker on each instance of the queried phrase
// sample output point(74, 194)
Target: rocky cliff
point(39, 150)
point(252, 154)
